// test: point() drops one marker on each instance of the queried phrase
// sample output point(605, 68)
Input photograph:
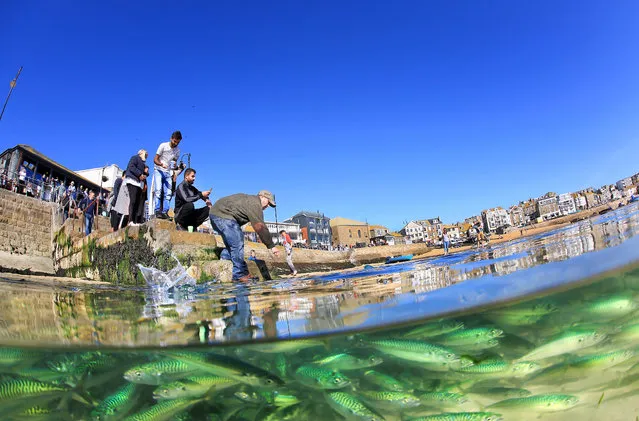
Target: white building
point(452, 231)
point(566, 204)
point(580, 202)
point(495, 218)
point(629, 192)
point(624, 183)
point(110, 172)
point(413, 232)
point(548, 208)
point(517, 217)
point(291, 228)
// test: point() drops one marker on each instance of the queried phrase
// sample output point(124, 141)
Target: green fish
point(225, 366)
point(538, 403)
point(347, 362)
point(192, 387)
point(117, 405)
point(351, 408)
point(515, 319)
point(414, 350)
point(13, 357)
point(568, 342)
point(442, 399)
point(281, 366)
point(441, 327)
point(602, 361)
point(164, 410)
point(158, 372)
point(611, 306)
point(36, 413)
point(627, 334)
point(501, 392)
point(321, 378)
point(532, 309)
point(501, 369)
point(383, 381)
point(479, 346)
point(18, 393)
point(290, 346)
point(389, 400)
point(470, 336)
point(460, 416)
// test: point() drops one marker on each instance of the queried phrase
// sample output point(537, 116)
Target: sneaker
point(295, 273)
point(162, 216)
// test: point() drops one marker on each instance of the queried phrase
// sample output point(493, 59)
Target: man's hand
point(275, 251)
point(206, 194)
point(208, 203)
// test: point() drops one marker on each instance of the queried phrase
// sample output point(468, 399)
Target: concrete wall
point(25, 225)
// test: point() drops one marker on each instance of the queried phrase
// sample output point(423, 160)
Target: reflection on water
point(350, 300)
point(567, 355)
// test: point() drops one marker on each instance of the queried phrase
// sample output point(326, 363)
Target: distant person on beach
point(89, 206)
point(445, 241)
point(165, 161)
point(185, 197)
point(288, 246)
point(227, 216)
point(252, 255)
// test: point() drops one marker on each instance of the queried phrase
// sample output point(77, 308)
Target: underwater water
point(543, 326)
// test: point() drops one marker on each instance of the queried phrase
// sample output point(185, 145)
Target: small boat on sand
point(397, 259)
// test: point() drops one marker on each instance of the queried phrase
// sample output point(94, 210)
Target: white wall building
point(566, 204)
point(291, 229)
point(624, 183)
point(111, 172)
point(495, 218)
point(413, 232)
point(517, 217)
point(580, 202)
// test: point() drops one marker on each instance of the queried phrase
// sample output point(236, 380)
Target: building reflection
point(119, 317)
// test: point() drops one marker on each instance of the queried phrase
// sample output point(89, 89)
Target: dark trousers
point(187, 215)
point(135, 194)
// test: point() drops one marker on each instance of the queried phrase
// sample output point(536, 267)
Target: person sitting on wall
point(185, 197)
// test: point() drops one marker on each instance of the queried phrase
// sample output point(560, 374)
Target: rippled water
point(542, 325)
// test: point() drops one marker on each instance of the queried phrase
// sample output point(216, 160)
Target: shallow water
point(552, 315)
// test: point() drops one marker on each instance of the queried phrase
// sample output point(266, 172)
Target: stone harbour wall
point(25, 225)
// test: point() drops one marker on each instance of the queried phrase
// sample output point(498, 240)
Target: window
point(359, 233)
point(350, 234)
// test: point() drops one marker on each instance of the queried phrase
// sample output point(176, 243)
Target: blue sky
point(384, 111)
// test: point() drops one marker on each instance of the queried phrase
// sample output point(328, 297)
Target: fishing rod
point(12, 85)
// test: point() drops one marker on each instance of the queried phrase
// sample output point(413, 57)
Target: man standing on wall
point(165, 162)
point(89, 206)
point(228, 215)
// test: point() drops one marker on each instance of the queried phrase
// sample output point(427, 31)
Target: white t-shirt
point(168, 156)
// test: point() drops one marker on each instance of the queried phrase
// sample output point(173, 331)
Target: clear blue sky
point(385, 111)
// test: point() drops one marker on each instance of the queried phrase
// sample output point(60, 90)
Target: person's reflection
point(270, 321)
point(238, 324)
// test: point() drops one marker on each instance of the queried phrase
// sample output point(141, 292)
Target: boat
point(397, 259)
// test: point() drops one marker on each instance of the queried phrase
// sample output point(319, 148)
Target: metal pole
point(277, 231)
point(13, 85)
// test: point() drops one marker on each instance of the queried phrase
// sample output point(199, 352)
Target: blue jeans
point(238, 325)
point(88, 223)
point(162, 183)
point(446, 245)
point(233, 238)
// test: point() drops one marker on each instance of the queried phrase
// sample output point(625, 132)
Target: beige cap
point(268, 195)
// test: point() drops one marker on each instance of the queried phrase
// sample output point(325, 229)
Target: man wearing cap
point(228, 215)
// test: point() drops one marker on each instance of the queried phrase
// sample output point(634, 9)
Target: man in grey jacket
point(228, 215)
